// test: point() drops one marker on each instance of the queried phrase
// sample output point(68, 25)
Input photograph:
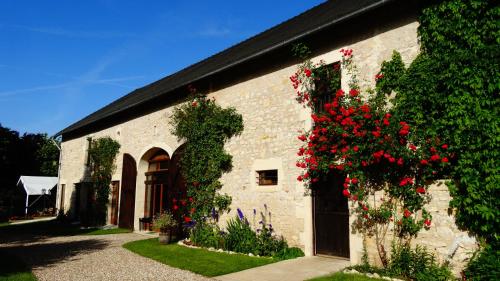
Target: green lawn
point(13, 269)
point(199, 261)
point(339, 276)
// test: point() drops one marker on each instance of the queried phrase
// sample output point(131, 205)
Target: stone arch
point(157, 145)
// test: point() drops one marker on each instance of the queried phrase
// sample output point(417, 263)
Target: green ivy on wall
point(205, 127)
point(451, 90)
point(102, 153)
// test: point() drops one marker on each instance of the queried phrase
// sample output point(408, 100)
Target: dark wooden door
point(331, 218)
point(177, 186)
point(127, 201)
point(115, 187)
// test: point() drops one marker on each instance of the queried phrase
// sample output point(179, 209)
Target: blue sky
point(62, 60)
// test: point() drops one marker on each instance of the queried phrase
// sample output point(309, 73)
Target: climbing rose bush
point(387, 168)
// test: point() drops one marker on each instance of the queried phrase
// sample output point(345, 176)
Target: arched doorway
point(127, 198)
point(164, 186)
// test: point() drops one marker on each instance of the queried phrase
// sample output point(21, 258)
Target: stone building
point(253, 76)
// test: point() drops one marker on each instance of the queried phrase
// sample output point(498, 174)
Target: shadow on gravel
point(47, 254)
point(37, 231)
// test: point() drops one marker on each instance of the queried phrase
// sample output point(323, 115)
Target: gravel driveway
point(91, 258)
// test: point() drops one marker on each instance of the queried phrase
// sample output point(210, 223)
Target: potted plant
point(164, 222)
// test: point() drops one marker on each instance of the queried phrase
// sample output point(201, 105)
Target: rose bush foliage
point(358, 136)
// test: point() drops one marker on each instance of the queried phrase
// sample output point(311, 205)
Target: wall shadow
point(48, 254)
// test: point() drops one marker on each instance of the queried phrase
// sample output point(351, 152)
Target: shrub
point(268, 244)
point(240, 236)
point(484, 265)
point(289, 253)
point(207, 235)
point(416, 264)
point(4, 215)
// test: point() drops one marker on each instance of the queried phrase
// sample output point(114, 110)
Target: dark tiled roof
point(312, 21)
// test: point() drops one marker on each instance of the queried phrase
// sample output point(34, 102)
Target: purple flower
point(240, 214)
point(215, 214)
point(190, 224)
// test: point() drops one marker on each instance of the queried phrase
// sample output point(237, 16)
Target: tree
point(48, 156)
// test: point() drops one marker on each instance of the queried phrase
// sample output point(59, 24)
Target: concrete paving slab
point(290, 270)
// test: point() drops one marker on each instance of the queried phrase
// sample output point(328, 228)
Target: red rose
point(427, 222)
point(435, 157)
point(355, 148)
point(175, 207)
point(420, 190)
point(424, 162)
point(354, 181)
point(400, 162)
point(307, 72)
point(407, 213)
point(346, 192)
point(299, 178)
point(444, 146)
point(444, 160)
point(187, 219)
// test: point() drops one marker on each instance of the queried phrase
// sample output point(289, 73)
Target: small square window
point(267, 177)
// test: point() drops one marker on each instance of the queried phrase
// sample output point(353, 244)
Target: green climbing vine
point(205, 127)
point(451, 90)
point(102, 153)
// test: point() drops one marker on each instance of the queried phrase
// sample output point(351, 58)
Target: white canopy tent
point(36, 186)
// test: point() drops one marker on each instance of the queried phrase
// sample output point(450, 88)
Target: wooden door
point(127, 201)
point(331, 218)
point(115, 187)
